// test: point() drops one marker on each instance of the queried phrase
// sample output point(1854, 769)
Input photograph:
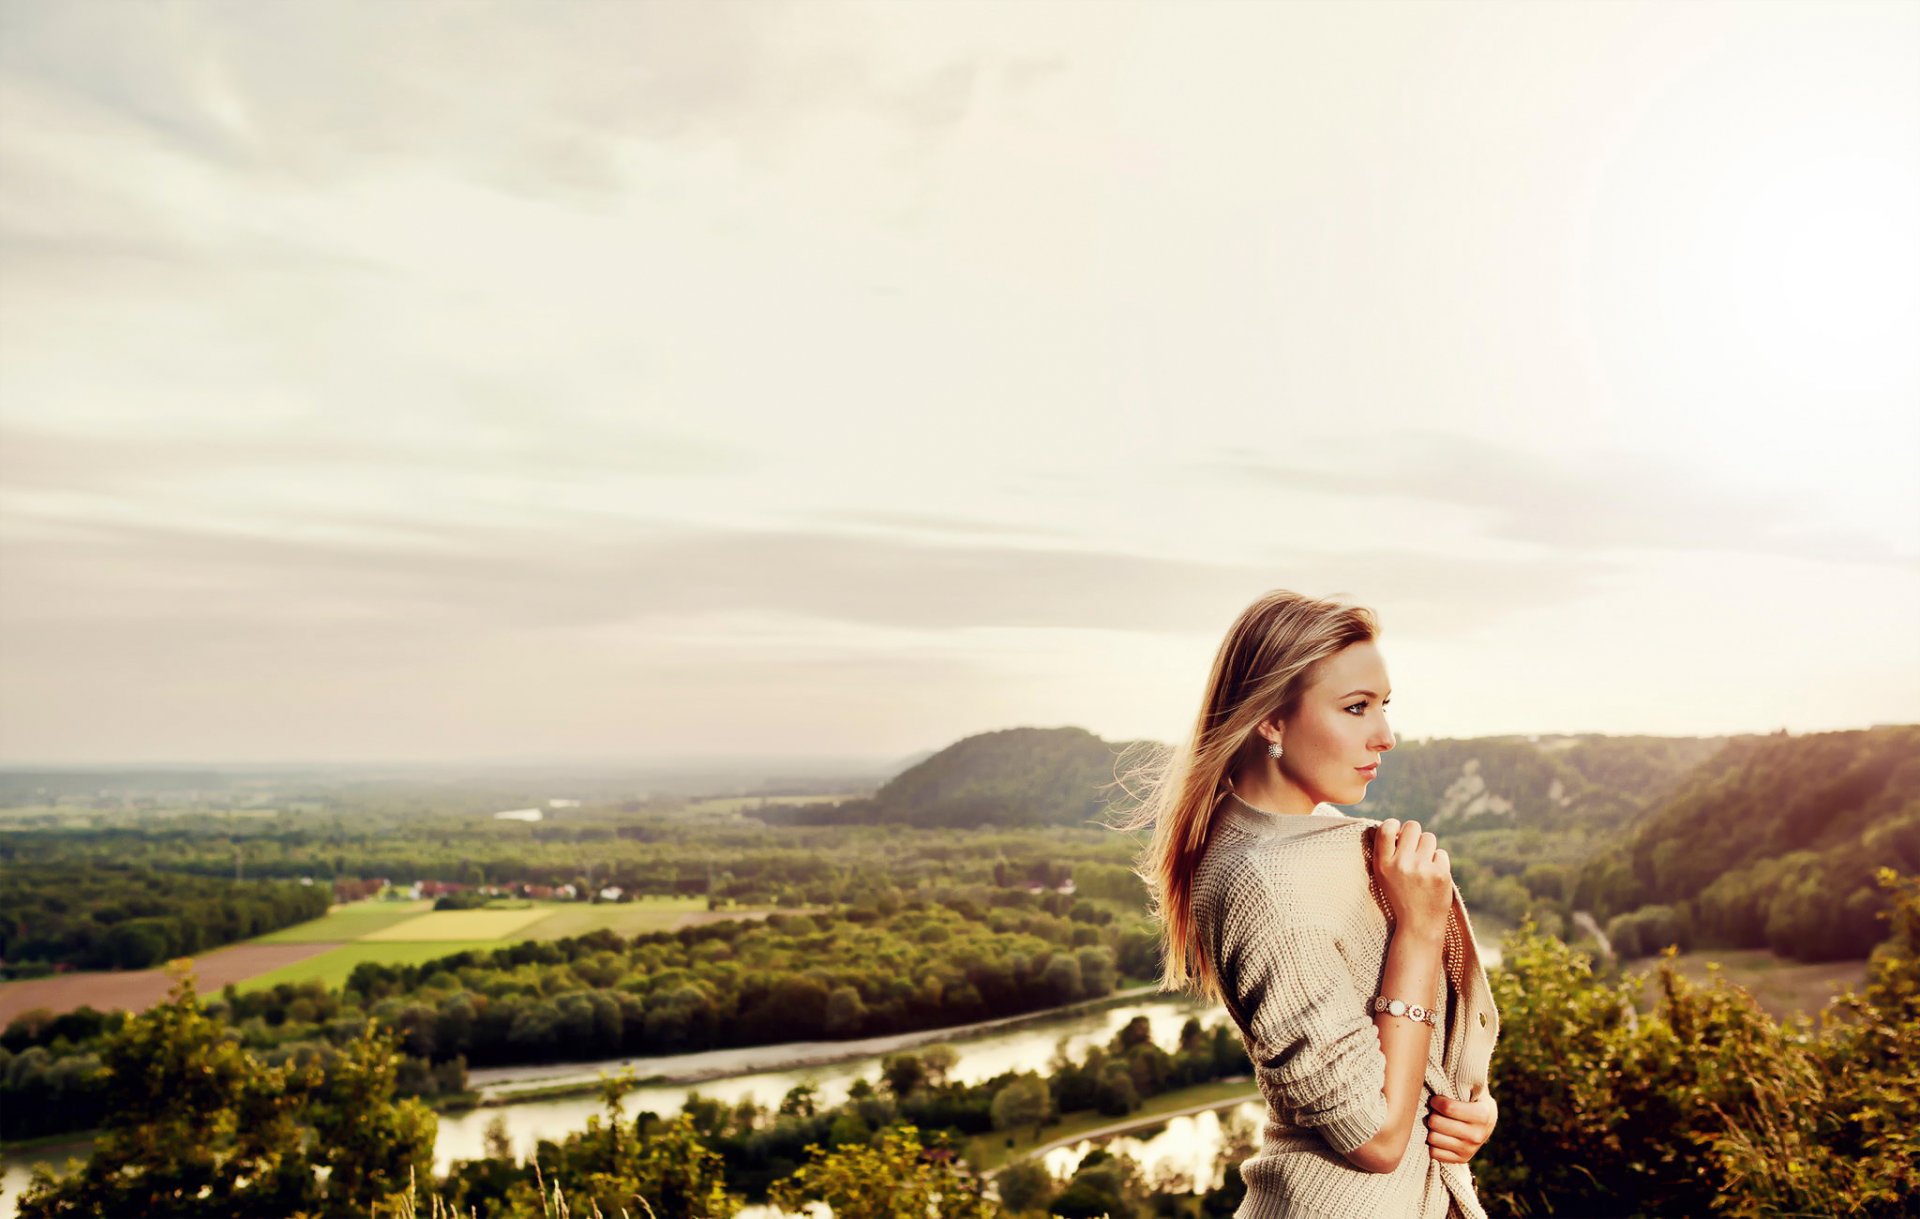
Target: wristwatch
point(1400, 1007)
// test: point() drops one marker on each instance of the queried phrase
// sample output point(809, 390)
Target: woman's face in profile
point(1339, 727)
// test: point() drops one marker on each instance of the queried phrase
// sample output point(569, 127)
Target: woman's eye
point(1361, 704)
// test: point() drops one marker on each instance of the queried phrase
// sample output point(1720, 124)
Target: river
point(1027, 1043)
point(1187, 1144)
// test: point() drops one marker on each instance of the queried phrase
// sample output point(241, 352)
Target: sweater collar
point(1242, 816)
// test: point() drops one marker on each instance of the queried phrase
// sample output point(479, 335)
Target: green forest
point(1705, 1106)
point(109, 915)
point(976, 884)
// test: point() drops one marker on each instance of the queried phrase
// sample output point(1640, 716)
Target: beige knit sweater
point(1285, 913)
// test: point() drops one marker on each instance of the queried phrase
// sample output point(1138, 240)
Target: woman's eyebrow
point(1368, 693)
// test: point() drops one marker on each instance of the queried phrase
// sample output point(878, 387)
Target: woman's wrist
point(1423, 935)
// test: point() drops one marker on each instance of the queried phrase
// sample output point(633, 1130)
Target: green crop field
point(348, 922)
point(412, 933)
point(460, 925)
point(333, 968)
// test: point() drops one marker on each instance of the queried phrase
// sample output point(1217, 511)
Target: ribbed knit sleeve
point(1312, 1028)
point(1308, 1023)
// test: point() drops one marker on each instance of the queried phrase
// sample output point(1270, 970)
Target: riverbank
point(562, 1081)
point(548, 1081)
point(990, 1153)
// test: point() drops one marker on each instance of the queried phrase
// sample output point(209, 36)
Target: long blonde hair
point(1269, 657)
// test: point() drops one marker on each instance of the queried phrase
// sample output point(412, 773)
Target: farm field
point(370, 931)
point(138, 989)
point(626, 918)
point(348, 922)
point(461, 925)
point(335, 965)
point(387, 932)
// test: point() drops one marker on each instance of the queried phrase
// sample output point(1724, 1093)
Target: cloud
point(541, 106)
point(127, 466)
point(1580, 503)
point(580, 570)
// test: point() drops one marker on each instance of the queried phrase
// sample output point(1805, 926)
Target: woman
point(1327, 937)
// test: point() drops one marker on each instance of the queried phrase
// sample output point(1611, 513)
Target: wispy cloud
point(436, 357)
point(1595, 501)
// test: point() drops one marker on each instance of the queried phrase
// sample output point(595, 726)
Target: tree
point(897, 1178)
point(197, 1125)
point(613, 1166)
point(903, 1073)
point(1103, 1185)
point(1023, 1185)
point(801, 1100)
point(369, 1142)
point(939, 1059)
point(1024, 1102)
point(846, 1011)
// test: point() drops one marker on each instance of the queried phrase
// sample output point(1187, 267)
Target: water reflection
point(1028, 1048)
point(1183, 1155)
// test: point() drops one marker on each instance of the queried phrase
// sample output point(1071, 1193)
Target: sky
point(519, 381)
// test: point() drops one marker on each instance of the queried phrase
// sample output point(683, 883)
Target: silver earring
point(1274, 750)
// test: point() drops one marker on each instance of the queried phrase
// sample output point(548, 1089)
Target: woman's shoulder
point(1298, 876)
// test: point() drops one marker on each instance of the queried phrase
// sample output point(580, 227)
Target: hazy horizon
point(426, 382)
point(797, 765)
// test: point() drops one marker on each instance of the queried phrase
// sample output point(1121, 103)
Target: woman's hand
point(1457, 1128)
point(1414, 873)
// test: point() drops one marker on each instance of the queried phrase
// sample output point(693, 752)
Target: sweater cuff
point(1349, 1127)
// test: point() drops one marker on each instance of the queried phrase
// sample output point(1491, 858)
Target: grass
point(333, 968)
point(622, 918)
point(458, 925)
point(348, 922)
point(413, 933)
point(1781, 986)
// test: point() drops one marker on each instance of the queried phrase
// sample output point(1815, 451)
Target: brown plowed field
point(138, 989)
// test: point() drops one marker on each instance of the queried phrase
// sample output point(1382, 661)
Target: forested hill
point(1598, 782)
point(1064, 776)
point(1015, 776)
point(1773, 842)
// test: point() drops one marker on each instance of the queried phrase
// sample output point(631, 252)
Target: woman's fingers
point(1387, 840)
point(1453, 1127)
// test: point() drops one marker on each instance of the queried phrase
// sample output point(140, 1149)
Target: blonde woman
point(1338, 944)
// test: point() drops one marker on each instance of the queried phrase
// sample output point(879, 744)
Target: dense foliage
point(1706, 1106)
point(1703, 1106)
point(1772, 843)
point(896, 966)
point(1014, 776)
point(1597, 783)
point(107, 915)
point(196, 1125)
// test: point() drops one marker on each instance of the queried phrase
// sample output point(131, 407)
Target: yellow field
point(458, 925)
point(621, 918)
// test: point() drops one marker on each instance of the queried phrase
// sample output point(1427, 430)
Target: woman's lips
point(1369, 771)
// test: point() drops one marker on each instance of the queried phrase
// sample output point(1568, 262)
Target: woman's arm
point(1412, 973)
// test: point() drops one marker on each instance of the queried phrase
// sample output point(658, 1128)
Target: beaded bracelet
point(1400, 1007)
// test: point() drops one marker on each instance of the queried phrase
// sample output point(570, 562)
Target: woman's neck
point(1283, 800)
